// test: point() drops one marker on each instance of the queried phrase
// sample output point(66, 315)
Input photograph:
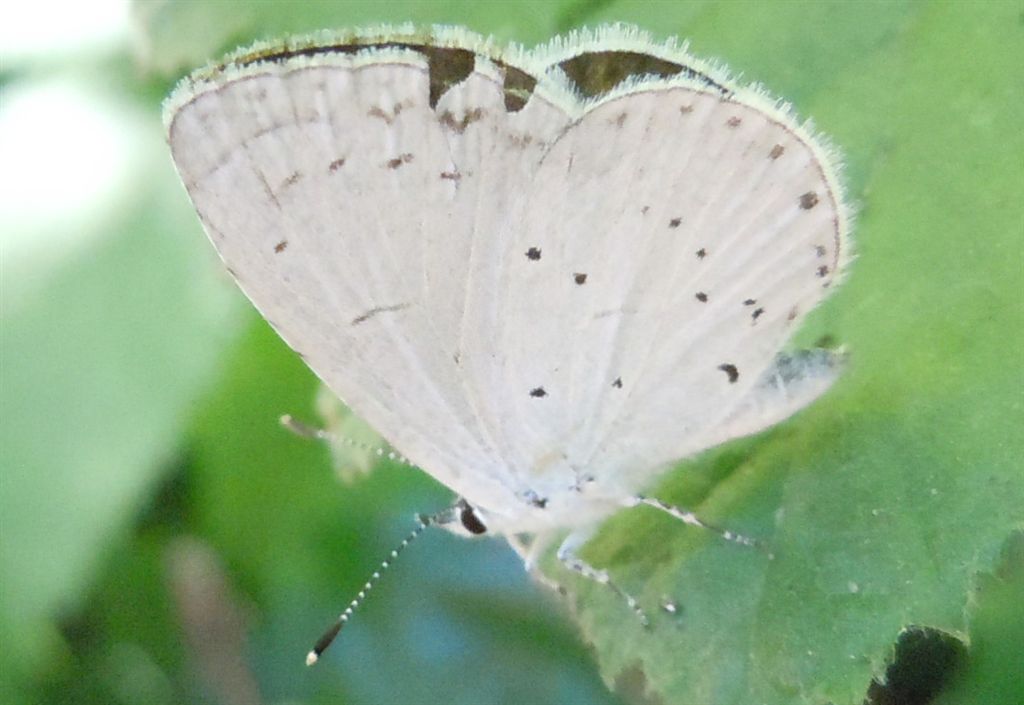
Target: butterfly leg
point(316, 433)
point(567, 556)
point(688, 517)
point(530, 554)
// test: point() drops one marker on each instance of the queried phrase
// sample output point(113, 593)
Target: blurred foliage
point(162, 540)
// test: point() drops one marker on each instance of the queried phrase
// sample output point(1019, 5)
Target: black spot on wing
point(808, 200)
point(580, 278)
point(538, 392)
point(702, 297)
point(533, 253)
point(398, 161)
point(731, 372)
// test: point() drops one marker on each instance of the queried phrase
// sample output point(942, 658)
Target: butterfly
point(542, 275)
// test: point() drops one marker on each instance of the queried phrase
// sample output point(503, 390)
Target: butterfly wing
point(683, 237)
point(359, 218)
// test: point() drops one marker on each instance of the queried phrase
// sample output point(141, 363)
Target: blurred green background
point(164, 541)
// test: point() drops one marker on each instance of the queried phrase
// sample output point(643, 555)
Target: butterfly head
point(462, 519)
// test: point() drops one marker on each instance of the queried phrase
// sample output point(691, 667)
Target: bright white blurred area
point(31, 28)
point(63, 151)
point(69, 145)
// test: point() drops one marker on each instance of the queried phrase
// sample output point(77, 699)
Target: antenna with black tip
point(423, 521)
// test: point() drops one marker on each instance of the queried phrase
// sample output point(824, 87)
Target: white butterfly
point(542, 275)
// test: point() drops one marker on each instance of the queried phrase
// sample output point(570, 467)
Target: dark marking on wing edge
point(374, 311)
point(702, 253)
point(281, 246)
point(702, 297)
point(580, 278)
point(533, 254)
point(538, 392)
point(756, 314)
point(776, 152)
point(447, 66)
point(822, 270)
point(675, 222)
point(451, 175)
point(820, 250)
point(335, 165)
point(734, 121)
point(597, 72)
point(731, 371)
point(749, 302)
point(808, 200)
point(518, 87)
point(617, 383)
point(398, 161)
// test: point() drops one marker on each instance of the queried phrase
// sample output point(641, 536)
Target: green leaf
point(992, 675)
point(113, 320)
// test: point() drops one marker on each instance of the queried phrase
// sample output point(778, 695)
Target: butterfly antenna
point(328, 637)
point(304, 430)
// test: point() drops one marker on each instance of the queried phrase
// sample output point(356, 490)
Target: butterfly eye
point(471, 522)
